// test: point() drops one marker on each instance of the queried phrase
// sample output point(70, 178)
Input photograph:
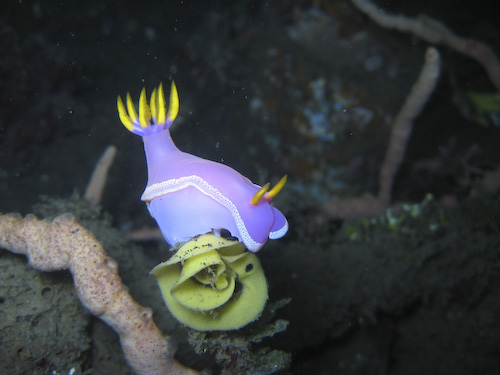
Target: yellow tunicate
point(212, 284)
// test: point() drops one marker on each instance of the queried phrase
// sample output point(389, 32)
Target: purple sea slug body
point(188, 195)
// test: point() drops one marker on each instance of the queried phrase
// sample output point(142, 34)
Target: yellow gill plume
point(156, 110)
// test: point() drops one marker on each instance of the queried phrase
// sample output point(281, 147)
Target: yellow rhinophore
point(212, 284)
point(263, 191)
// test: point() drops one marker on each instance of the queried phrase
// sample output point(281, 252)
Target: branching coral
point(401, 131)
point(65, 244)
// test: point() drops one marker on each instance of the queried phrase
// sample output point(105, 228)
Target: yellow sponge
point(212, 284)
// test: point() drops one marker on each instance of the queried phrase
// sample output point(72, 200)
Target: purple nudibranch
point(188, 195)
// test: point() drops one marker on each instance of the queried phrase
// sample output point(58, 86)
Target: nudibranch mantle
point(188, 195)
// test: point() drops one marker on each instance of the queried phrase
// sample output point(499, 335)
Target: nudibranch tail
point(152, 117)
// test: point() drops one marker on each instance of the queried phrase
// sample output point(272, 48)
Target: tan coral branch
point(435, 32)
point(95, 188)
point(65, 244)
point(403, 124)
point(369, 206)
